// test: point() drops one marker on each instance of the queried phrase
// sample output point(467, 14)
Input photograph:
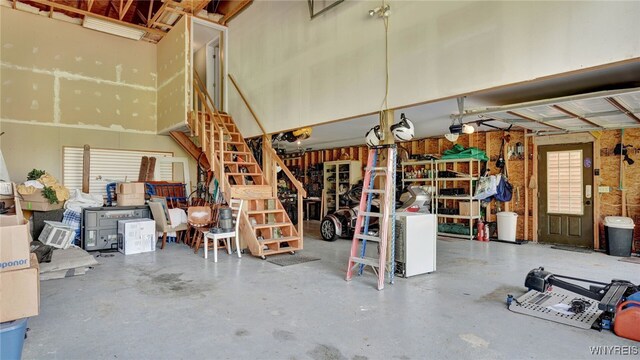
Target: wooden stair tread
point(261, 226)
point(270, 211)
point(241, 173)
point(279, 240)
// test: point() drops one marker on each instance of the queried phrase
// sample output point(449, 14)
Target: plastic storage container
point(12, 339)
point(618, 233)
point(507, 223)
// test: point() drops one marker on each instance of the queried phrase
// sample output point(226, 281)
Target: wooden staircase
point(265, 227)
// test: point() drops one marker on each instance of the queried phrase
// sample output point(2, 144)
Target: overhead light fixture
point(381, 11)
point(451, 137)
point(112, 28)
point(467, 129)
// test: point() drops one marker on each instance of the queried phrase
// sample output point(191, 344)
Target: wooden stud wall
point(610, 203)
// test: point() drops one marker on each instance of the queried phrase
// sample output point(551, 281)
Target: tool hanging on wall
point(361, 231)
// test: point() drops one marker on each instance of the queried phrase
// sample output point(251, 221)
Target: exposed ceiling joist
point(235, 11)
point(74, 10)
point(124, 9)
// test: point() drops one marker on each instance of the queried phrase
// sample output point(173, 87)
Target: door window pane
point(564, 182)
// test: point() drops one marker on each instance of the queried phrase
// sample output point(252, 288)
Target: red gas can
point(627, 321)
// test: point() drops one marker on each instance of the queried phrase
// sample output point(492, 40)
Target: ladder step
point(241, 173)
point(374, 191)
point(367, 237)
point(382, 169)
point(374, 214)
point(366, 261)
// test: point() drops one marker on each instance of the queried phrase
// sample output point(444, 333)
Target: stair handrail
point(216, 134)
point(246, 102)
point(270, 159)
point(267, 144)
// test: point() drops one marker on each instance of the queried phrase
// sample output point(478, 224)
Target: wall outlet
point(603, 189)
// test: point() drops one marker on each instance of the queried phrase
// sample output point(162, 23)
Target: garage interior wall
point(610, 202)
point(63, 85)
point(296, 71)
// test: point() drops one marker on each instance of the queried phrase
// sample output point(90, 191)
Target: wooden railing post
point(221, 154)
point(300, 205)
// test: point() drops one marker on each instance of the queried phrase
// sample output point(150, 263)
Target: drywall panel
point(26, 95)
point(110, 105)
point(29, 146)
point(57, 45)
point(58, 69)
point(302, 72)
point(172, 78)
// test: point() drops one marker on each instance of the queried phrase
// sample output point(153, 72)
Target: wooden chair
point(236, 209)
point(162, 225)
point(199, 219)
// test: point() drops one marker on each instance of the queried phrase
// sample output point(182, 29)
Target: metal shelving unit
point(471, 174)
point(338, 178)
point(422, 172)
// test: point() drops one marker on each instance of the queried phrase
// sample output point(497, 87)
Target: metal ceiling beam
point(622, 108)
point(535, 120)
point(576, 116)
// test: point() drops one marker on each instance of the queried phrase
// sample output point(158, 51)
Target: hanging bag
point(504, 191)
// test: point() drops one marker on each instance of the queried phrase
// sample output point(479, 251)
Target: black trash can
point(618, 233)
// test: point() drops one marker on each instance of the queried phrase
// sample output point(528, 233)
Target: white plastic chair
point(236, 208)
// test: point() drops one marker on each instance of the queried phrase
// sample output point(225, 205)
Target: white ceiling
point(433, 119)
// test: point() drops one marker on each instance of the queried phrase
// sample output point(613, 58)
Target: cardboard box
point(136, 236)
point(14, 241)
point(37, 202)
point(130, 188)
point(468, 208)
point(20, 291)
point(130, 199)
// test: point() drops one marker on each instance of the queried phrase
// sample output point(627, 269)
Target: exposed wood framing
point(526, 185)
point(596, 194)
point(97, 16)
point(228, 16)
point(535, 191)
point(141, 15)
point(621, 107)
point(154, 19)
point(149, 13)
point(123, 11)
point(113, 6)
point(576, 116)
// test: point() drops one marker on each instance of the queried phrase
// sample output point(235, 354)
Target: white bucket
point(507, 223)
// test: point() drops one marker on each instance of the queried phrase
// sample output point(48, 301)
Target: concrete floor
point(173, 304)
